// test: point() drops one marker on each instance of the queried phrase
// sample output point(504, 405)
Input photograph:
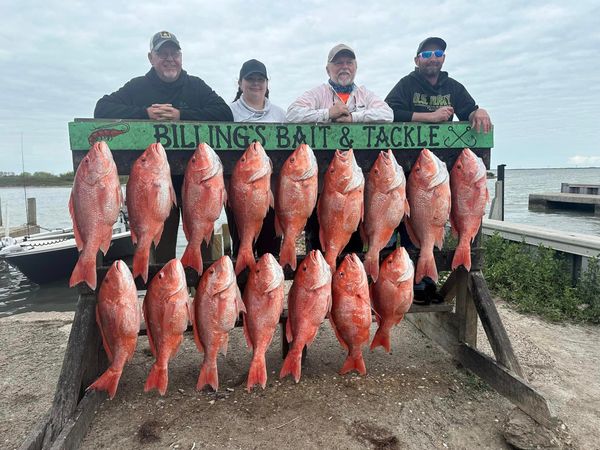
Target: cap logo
point(165, 35)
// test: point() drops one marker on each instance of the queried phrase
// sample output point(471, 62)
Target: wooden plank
point(77, 426)
point(126, 135)
point(466, 314)
point(79, 354)
point(492, 323)
point(35, 438)
point(439, 327)
point(448, 289)
point(568, 242)
point(513, 387)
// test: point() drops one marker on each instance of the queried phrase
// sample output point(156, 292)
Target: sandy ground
point(415, 398)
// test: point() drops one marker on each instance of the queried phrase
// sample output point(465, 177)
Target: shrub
point(538, 280)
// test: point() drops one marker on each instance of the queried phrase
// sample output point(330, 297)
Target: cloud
point(581, 160)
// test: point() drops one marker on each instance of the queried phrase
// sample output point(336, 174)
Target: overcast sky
point(533, 65)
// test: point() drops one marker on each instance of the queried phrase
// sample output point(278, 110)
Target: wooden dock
point(563, 200)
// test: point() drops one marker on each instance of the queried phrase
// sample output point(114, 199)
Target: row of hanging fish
point(315, 293)
point(429, 198)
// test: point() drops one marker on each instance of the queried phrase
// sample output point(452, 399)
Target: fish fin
point(426, 268)
point(192, 257)
point(278, 229)
point(157, 379)
point(412, 235)
point(381, 338)
point(287, 255)
point(108, 381)
point(258, 372)
point(105, 244)
point(140, 263)
point(372, 263)
point(208, 375)
point(148, 329)
point(337, 334)
point(292, 365)
point(247, 333)
point(78, 240)
point(462, 256)
point(245, 258)
point(105, 343)
point(158, 235)
point(84, 270)
point(224, 345)
point(354, 363)
point(439, 238)
point(239, 304)
point(197, 340)
point(453, 226)
point(288, 329)
point(134, 238)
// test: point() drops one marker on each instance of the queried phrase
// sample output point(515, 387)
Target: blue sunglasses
point(429, 53)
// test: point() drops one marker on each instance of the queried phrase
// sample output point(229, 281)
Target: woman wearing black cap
point(251, 103)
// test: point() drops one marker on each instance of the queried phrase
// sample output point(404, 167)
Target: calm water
point(18, 294)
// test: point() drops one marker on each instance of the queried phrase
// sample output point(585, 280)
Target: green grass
point(538, 280)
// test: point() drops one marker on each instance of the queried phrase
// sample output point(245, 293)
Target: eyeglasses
point(429, 53)
point(165, 55)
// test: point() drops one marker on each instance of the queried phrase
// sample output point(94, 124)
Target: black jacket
point(414, 93)
point(189, 94)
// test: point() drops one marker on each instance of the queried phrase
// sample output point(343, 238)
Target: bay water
point(18, 294)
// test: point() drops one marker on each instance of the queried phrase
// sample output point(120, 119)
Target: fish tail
point(288, 253)
point(158, 379)
point(426, 268)
point(372, 264)
point(245, 258)
point(208, 375)
point(140, 263)
point(354, 362)
point(292, 365)
point(381, 338)
point(192, 257)
point(85, 270)
point(108, 381)
point(258, 372)
point(462, 256)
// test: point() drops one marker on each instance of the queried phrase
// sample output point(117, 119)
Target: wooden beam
point(439, 327)
point(492, 323)
point(35, 438)
point(81, 351)
point(511, 386)
point(466, 314)
point(76, 428)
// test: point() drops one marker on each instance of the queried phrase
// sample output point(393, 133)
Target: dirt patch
point(414, 398)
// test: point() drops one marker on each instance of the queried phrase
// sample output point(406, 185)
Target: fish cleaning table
point(451, 324)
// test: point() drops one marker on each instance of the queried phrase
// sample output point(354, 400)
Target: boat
point(51, 256)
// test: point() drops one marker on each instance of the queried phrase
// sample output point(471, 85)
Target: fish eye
point(143, 159)
point(211, 271)
point(292, 159)
point(304, 268)
point(459, 166)
point(243, 159)
point(257, 270)
point(193, 159)
point(376, 171)
point(332, 170)
point(161, 275)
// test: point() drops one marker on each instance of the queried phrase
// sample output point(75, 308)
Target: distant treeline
point(41, 179)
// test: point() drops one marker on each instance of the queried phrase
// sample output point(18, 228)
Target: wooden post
point(466, 314)
point(31, 212)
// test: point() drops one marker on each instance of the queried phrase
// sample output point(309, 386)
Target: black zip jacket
point(414, 93)
point(190, 95)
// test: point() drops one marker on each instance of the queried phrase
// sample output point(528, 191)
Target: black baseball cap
point(253, 66)
point(160, 38)
point(441, 44)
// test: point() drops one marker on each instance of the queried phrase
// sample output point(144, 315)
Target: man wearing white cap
point(339, 100)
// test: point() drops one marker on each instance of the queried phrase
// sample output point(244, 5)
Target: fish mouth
point(323, 269)
point(357, 178)
point(410, 268)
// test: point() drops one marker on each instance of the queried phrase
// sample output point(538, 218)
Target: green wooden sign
point(138, 134)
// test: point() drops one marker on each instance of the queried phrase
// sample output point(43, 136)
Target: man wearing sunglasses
point(429, 95)
point(165, 93)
